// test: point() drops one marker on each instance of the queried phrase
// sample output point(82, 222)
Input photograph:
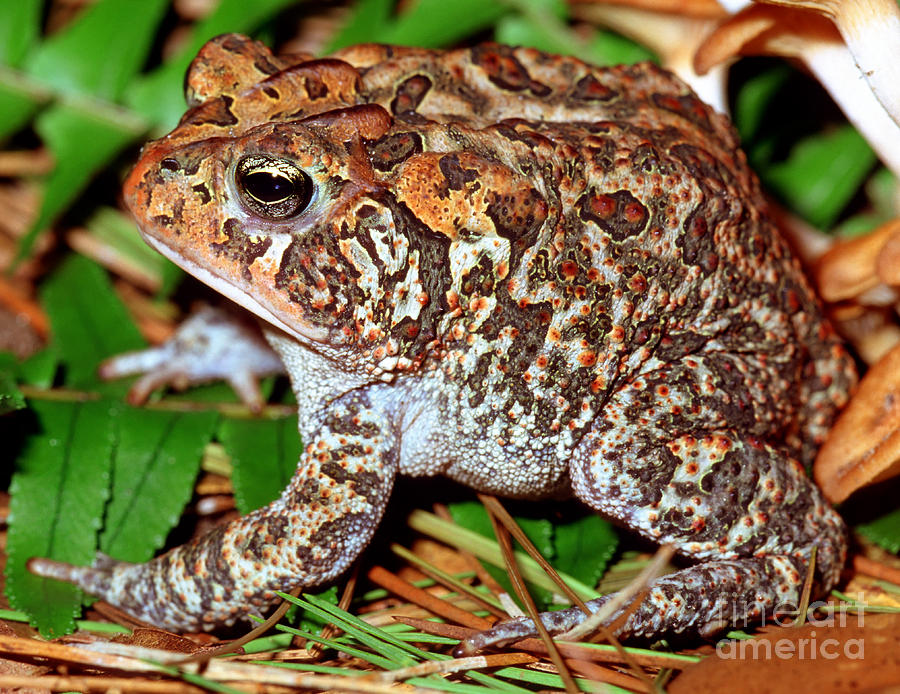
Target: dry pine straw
point(114, 659)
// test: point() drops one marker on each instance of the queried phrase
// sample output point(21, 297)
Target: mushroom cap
point(863, 447)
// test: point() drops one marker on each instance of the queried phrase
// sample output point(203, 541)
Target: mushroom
point(863, 447)
point(871, 30)
point(817, 39)
point(855, 266)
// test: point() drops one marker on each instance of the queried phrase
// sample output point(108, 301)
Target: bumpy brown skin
point(523, 272)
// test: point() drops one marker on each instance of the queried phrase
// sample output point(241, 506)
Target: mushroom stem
point(833, 66)
point(871, 30)
point(814, 39)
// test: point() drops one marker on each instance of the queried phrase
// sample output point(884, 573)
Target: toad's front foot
point(211, 345)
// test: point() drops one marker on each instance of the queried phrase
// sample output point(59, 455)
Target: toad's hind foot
point(701, 600)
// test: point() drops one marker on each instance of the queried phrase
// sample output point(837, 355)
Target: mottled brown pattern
point(532, 275)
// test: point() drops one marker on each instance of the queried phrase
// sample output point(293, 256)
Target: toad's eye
point(272, 188)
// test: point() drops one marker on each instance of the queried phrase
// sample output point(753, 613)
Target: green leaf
point(517, 30)
point(610, 48)
point(433, 23)
point(756, 98)
point(39, 369)
point(584, 547)
point(20, 25)
point(473, 515)
point(156, 462)
point(880, 191)
point(83, 137)
point(822, 174)
point(883, 531)
point(58, 492)
point(159, 97)
point(367, 19)
point(11, 398)
point(88, 322)
point(264, 453)
point(554, 36)
point(99, 52)
point(19, 101)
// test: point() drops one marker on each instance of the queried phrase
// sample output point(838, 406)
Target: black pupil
point(269, 187)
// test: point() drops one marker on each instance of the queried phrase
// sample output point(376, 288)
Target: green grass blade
point(398, 652)
point(489, 551)
point(494, 683)
point(312, 667)
point(377, 660)
point(353, 624)
point(546, 679)
point(442, 685)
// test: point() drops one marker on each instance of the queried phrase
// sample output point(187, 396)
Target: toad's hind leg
point(309, 536)
point(741, 508)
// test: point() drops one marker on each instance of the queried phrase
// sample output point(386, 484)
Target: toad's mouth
point(303, 332)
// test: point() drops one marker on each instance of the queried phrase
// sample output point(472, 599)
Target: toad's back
point(637, 235)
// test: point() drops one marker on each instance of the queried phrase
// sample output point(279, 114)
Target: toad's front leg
point(322, 521)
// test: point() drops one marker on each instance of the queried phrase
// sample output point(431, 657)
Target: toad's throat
point(304, 332)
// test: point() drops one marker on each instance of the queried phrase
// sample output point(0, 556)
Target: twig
point(442, 608)
point(624, 596)
point(475, 662)
point(233, 646)
point(876, 569)
point(17, 302)
point(598, 673)
point(449, 581)
point(496, 508)
point(579, 651)
point(441, 511)
point(94, 683)
point(807, 589)
point(519, 584)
